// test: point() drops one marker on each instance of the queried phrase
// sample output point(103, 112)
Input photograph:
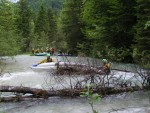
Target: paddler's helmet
point(104, 61)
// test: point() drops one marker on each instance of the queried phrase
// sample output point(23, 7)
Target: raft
point(41, 54)
point(44, 66)
point(49, 66)
point(64, 55)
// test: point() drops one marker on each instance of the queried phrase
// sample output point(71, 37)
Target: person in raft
point(48, 59)
point(105, 68)
point(33, 50)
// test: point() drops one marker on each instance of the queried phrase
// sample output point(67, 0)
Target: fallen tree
point(41, 93)
point(79, 68)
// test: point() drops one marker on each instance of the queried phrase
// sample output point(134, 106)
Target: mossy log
point(40, 93)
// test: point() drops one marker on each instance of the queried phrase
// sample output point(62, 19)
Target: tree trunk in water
point(40, 93)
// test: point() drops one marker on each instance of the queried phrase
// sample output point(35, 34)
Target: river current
point(17, 72)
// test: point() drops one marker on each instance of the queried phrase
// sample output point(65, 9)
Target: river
point(17, 72)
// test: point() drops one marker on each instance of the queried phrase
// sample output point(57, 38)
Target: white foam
point(9, 76)
point(27, 79)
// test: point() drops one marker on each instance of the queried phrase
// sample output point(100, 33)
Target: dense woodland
point(118, 30)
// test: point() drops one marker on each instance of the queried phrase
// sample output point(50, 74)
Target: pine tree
point(41, 25)
point(7, 15)
point(109, 24)
point(56, 5)
point(142, 37)
point(71, 24)
point(23, 23)
point(8, 37)
point(52, 25)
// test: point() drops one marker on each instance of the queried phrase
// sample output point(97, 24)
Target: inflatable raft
point(41, 54)
point(44, 66)
point(64, 55)
point(49, 66)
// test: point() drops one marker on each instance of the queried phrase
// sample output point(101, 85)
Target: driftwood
point(78, 68)
point(40, 93)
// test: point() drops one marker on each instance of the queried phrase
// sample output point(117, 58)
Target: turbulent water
point(17, 72)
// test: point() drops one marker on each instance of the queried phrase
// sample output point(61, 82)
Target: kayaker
point(47, 50)
point(52, 51)
point(37, 50)
point(105, 68)
point(41, 50)
point(48, 59)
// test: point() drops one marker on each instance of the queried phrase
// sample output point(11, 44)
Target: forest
point(118, 30)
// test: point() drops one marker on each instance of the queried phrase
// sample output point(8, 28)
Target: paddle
point(34, 65)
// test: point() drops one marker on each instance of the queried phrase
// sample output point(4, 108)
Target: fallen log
point(78, 68)
point(19, 99)
point(40, 93)
point(20, 89)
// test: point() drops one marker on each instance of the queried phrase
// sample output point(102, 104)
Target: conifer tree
point(41, 25)
point(23, 23)
point(71, 24)
point(142, 37)
point(52, 26)
point(109, 24)
point(8, 37)
point(7, 15)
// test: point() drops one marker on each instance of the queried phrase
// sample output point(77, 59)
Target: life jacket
point(49, 60)
point(106, 68)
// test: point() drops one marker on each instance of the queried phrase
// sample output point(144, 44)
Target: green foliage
point(119, 55)
point(7, 15)
point(84, 48)
point(41, 24)
point(52, 26)
point(35, 31)
point(147, 25)
point(142, 40)
point(109, 23)
point(24, 18)
point(60, 42)
point(91, 97)
point(8, 44)
point(71, 25)
point(23, 23)
point(35, 5)
point(45, 27)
